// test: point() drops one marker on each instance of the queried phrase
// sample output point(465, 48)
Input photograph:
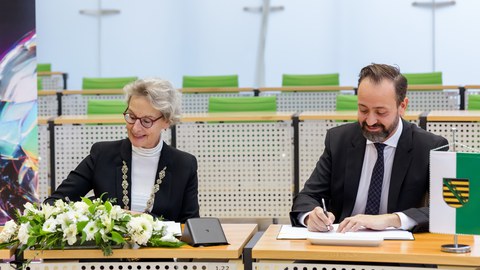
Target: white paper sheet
point(289, 232)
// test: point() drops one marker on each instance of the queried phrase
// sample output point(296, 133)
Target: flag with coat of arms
point(454, 192)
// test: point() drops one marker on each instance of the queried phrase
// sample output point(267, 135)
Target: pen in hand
point(326, 214)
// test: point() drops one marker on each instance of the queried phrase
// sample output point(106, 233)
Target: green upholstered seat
point(106, 106)
point(106, 83)
point(242, 104)
point(210, 81)
point(44, 67)
point(39, 83)
point(473, 102)
point(424, 78)
point(347, 103)
point(310, 79)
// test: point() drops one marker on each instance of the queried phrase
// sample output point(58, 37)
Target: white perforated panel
point(198, 102)
point(65, 265)
point(468, 133)
point(73, 143)
point(311, 145)
point(77, 104)
point(47, 105)
point(52, 82)
point(433, 100)
point(318, 265)
point(244, 169)
point(306, 101)
point(44, 162)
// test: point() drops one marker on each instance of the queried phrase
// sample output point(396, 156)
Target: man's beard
point(381, 135)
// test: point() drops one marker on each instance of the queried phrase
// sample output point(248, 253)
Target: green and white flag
point(454, 192)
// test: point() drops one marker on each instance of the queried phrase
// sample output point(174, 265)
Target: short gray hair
point(162, 95)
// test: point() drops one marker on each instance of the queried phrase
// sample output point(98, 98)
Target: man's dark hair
point(379, 72)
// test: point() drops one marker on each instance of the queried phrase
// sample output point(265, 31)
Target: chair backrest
point(106, 83)
point(347, 103)
point(473, 102)
point(310, 79)
point(210, 81)
point(424, 78)
point(242, 104)
point(44, 67)
point(106, 106)
point(39, 83)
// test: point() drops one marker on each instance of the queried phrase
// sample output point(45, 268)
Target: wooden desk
point(6, 253)
point(425, 249)
point(466, 124)
point(237, 236)
point(348, 115)
point(236, 116)
point(456, 116)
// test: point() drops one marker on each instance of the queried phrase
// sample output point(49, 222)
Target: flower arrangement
point(88, 221)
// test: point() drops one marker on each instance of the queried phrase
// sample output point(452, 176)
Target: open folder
point(362, 237)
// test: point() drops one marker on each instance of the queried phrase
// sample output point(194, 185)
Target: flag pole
point(455, 247)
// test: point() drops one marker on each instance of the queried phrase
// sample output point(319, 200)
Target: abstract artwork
point(18, 108)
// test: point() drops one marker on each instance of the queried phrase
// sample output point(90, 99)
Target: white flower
point(82, 207)
point(158, 225)
point(70, 234)
point(50, 225)
point(107, 222)
point(90, 230)
point(8, 231)
point(60, 205)
point(64, 220)
point(23, 233)
point(117, 212)
point(140, 229)
point(168, 237)
point(48, 210)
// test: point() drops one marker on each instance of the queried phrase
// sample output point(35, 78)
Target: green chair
point(106, 83)
point(347, 103)
point(473, 102)
point(311, 80)
point(44, 67)
point(210, 81)
point(424, 78)
point(39, 83)
point(106, 106)
point(242, 104)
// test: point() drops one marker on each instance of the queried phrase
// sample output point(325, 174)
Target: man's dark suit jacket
point(177, 199)
point(337, 174)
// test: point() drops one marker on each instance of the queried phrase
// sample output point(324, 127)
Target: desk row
point(249, 165)
point(297, 99)
point(261, 251)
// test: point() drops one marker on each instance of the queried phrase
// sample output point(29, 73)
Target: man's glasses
point(144, 121)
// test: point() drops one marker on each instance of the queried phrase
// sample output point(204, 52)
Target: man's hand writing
point(317, 221)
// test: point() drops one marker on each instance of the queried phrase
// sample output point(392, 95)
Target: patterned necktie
point(375, 189)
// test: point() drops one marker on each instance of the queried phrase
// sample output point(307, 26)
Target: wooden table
point(425, 249)
point(237, 236)
point(6, 253)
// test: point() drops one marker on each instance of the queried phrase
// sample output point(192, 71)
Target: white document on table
point(173, 227)
point(289, 232)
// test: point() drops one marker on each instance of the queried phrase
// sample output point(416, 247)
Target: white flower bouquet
point(78, 223)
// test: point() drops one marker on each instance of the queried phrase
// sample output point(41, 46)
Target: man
point(348, 166)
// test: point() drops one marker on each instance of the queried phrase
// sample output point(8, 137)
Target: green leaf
point(81, 225)
point(117, 238)
point(108, 206)
point(87, 201)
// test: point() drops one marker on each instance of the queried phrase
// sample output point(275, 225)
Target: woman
point(142, 173)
